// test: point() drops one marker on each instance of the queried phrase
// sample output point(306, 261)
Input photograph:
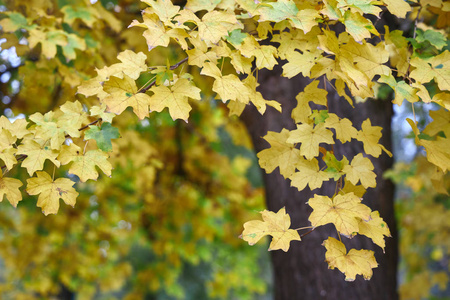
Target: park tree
point(308, 84)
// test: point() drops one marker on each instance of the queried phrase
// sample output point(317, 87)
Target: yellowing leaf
point(18, 128)
point(344, 129)
point(175, 98)
point(274, 224)
point(155, 33)
point(343, 211)
point(370, 135)
point(132, 63)
point(50, 192)
point(36, 155)
point(311, 93)
point(265, 55)
point(309, 174)
point(437, 67)
point(299, 63)
point(398, 8)
point(9, 187)
point(216, 24)
point(310, 137)
point(402, 90)
point(355, 262)
point(375, 229)
point(361, 169)
point(228, 87)
point(358, 26)
point(281, 154)
point(83, 165)
point(124, 93)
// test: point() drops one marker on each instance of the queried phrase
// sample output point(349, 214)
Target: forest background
point(162, 219)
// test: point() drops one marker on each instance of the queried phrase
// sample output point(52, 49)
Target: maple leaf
point(216, 24)
point(100, 112)
point(358, 26)
point(310, 137)
point(311, 93)
point(132, 63)
point(370, 135)
point(9, 187)
point(375, 229)
point(344, 129)
point(83, 165)
point(155, 33)
point(265, 55)
point(164, 9)
point(36, 154)
point(174, 98)
point(48, 129)
point(50, 192)
point(343, 211)
point(274, 224)
point(309, 174)
point(18, 128)
point(280, 154)
point(228, 87)
point(334, 167)
point(124, 93)
point(299, 63)
point(102, 136)
point(437, 67)
point(398, 8)
point(361, 169)
point(355, 262)
point(402, 90)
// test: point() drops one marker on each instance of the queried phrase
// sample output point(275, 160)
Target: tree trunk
point(302, 272)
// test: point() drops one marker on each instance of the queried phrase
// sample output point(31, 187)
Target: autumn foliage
point(126, 88)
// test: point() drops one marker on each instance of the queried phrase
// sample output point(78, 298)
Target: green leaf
point(102, 135)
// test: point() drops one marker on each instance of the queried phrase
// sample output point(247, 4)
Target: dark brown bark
point(302, 272)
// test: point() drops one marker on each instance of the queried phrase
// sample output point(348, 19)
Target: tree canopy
point(142, 116)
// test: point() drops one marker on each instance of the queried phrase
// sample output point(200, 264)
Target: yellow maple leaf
point(265, 55)
point(216, 24)
point(370, 135)
point(375, 229)
point(280, 154)
point(355, 262)
point(155, 33)
point(361, 169)
point(83, 165)
point(228, 87)
point(368, 58)
point(398, 8)
point(36, 154)
point(50, 192)
point(132, 63)
point(124, 93)
point(9, 187)
point(17, 128)
point(164, 9)
point(343, 211)
point(8, 157)
point(437, 67)
point(274, 224)
point(344, 127)
point(311, 93)
point(309, 174)
point(310, 137)
point(299, 63)
point(174, 98)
